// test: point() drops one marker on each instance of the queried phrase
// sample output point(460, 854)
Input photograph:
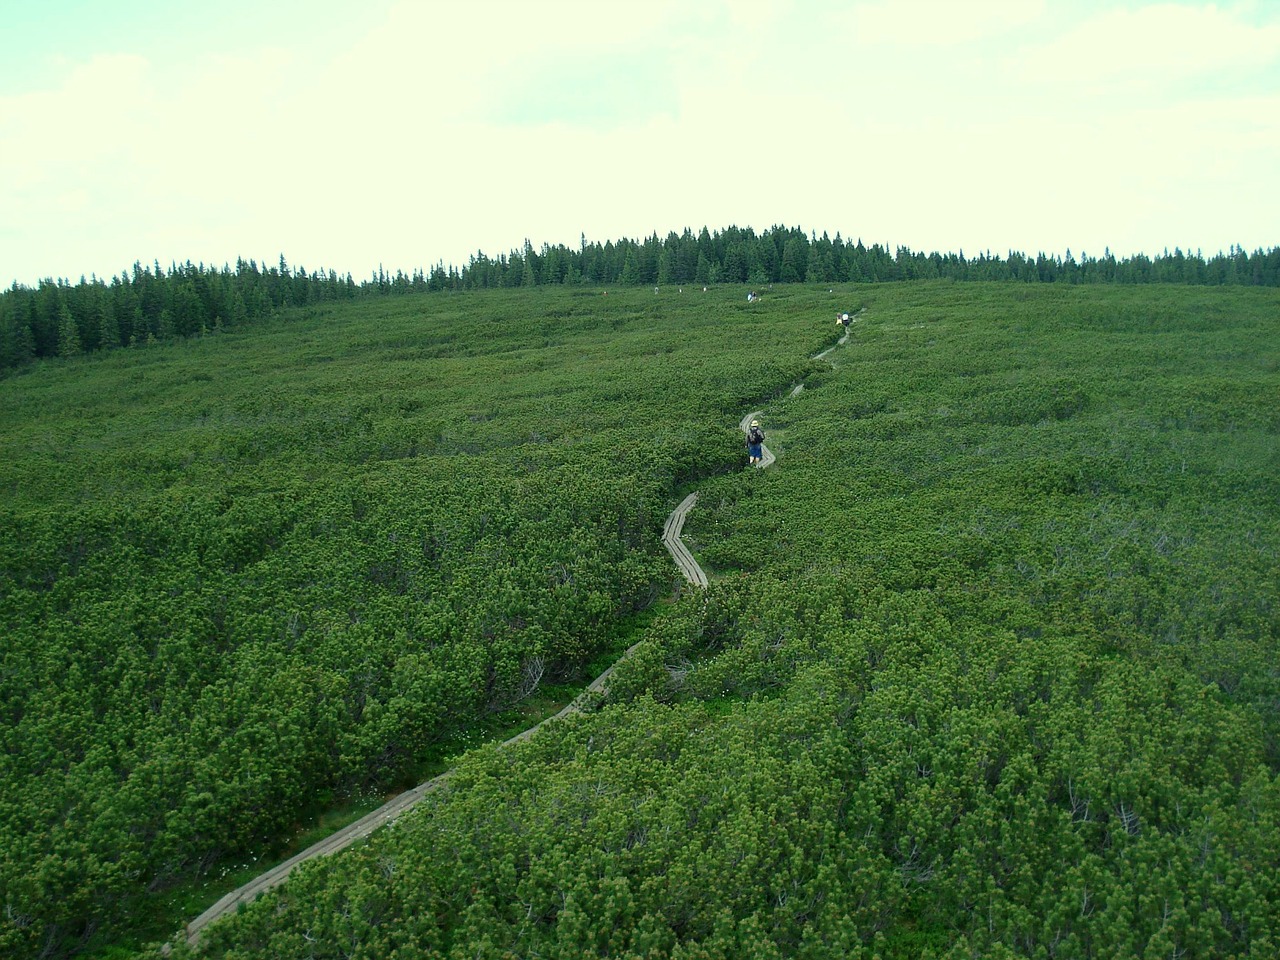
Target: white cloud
point(934, 23)
point(47, 135)
point(1155, 45)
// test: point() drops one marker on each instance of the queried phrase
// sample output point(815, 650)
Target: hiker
point(755, 438)
point(844, 318)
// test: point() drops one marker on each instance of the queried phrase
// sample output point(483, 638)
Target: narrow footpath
point(394, 807)
point(671, 534)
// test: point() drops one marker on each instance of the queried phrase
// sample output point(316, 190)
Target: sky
point(354, 134)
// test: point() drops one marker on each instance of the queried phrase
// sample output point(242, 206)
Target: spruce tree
point(108, 326)
point(630, 270)
point(735, 264)
point(16, 345)
point(239, 312)
point(666, 267)
point(702, 274)
point(68, 334)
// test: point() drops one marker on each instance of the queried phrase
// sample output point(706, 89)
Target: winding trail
point(766, 455)
point(675, 523)
point(675, 546)
point(393, 808)
point(370, 822)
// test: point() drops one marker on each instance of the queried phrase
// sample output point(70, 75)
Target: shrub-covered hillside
point(987, 668)
point(250, 573)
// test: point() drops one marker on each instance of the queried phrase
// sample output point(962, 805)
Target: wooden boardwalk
point(385, 814)
point(675, 523)
point(675, 546)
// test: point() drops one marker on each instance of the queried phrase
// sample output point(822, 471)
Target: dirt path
point(394, 807)
point(839, 343)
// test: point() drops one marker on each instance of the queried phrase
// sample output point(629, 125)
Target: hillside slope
point(249, 575)
point(986, 667)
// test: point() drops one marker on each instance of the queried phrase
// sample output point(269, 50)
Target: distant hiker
point(751, 297)
point(844, 318)
point(755, 439)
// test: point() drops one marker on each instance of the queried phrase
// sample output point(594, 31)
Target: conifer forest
point(145, 304)
point(987, 664)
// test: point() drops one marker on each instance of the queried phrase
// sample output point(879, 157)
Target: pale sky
point(346, 134)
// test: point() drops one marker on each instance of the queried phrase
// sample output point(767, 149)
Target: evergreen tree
point(68, 334)
point(238, 313)
point(554, 263)
point(530, 275)
point(108, 326)
point(187, 315)
point(16, 345)
point(630, 268)
point(735, 264)
point(707, 247)
point(686, 258)
point(46, 318)
point(794, 261)
point(763, 261)
point(666, 269)
point(138, 330)
point(647, 260)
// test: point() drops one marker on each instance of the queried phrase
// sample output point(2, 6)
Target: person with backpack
point(755, 439)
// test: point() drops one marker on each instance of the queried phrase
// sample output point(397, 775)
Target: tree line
point(147, 304)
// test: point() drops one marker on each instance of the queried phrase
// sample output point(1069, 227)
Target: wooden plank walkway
point(675, 546)
point(385, 814)
point(675, 523)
